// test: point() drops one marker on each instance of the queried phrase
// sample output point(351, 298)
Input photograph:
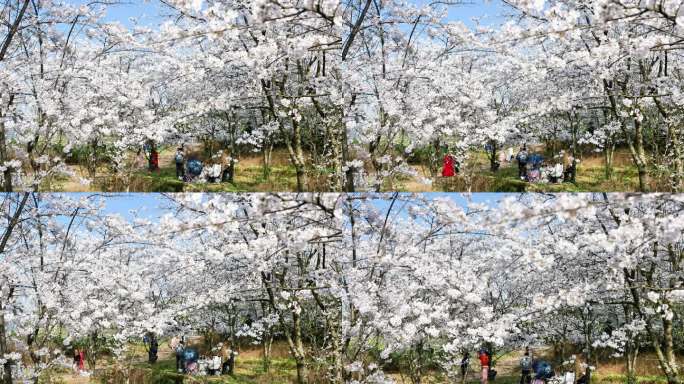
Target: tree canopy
point(351, 281)
point(351, 90)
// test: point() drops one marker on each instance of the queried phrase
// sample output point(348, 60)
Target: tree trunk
point(639, 154)
point(294, 334)
point(292, 142)
point(609, 153)
point(336, 346)
point(588, 347)
point(631, 349)
point(4, 157)
point(349, 174)
point(666, 359)
point(635, 145)
point(297, 156)
point(492, 157)
point(267, 343)
point(573, 178)
point(299, 352)
point(268, 151)
point(7, 367)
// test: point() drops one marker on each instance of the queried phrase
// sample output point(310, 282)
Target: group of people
point(531, 166)
point(533, 169)
point(188, 360)
point(532, 371)
point(541, 370)
point(193, 169)
point(148, 157)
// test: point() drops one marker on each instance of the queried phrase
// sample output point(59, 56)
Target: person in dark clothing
point(180, 362)
point(154, 349)
point(225, 175)
point(465, 362)
point(542, 370)
point(570, 172)
point(522, 162)
point(77, 360)
point(526, 368)
point(180, 163)
point(229, 364)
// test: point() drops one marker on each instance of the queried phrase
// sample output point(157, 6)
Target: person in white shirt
point(556, 173)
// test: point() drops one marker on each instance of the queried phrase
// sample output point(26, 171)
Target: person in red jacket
point(484, 363)
point(154, 160)
point(81, 360)
point(448, 166)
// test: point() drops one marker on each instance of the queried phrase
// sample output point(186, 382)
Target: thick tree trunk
point(267, 344)
point(299, 352)
point(666, 358)
point(293, 335)
point(493, 157)
point(7, 367)
point(673, 150)
point(639, 155)
point(587, 346)
point(609, 153)
point(293, 142)
point(4, 157)
point(349, 174)
point(635, 143)
point(338, 366)
point(297, 156)
point(676, 163)
point(267, 152)
point(631, 349)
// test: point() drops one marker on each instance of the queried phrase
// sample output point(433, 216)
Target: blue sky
point(150, 205)
point(147, 11)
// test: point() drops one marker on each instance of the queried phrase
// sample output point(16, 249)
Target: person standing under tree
point(228, 357)
point(154, 159)
point(522, 162)
point(180, 163)
point(177, 345)
point(526, 368)
point(77, 361)
point(154, 349)
point(140, 159)
point(449, 163)
point(465, 363)
point(484, 366)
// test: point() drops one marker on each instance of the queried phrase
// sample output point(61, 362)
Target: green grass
point(614, 378)
point(596, 378)
point(249, 177)
point(246, 179)
point(247, 371)
point(283, 178)
point(588, 179)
